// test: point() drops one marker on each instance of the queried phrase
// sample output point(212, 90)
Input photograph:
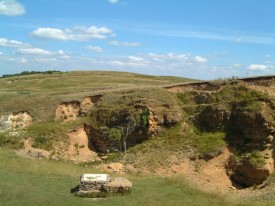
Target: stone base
point(103, 189)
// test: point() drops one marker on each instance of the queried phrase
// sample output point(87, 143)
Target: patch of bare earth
point(79, 150)
point(32, 152)
point(209, 176)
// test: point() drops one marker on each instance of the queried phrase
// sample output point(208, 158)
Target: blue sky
point(202, 39)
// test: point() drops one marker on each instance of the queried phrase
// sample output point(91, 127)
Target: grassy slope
point(34, 182)
point(38, 182)
point(40, 93)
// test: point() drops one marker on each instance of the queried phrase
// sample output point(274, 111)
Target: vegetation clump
point(30, 72)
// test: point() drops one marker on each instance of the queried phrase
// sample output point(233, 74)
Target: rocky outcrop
point(16, 120)
point(97, 141)
point(87, 103)
point(71, 110)
point(243, 111)
point(255, 123)
point(67, 111)
point(252, 143)
point(246, 172)
point(214, 118)
point(162, 116)
point(80, 148)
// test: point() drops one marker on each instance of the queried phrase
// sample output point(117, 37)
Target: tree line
point(30, 72)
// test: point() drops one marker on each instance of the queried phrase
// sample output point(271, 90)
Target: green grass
point(38, 182)
point(40, 93)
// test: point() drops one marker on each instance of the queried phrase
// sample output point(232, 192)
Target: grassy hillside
point(38, 182)
point(40, 93)
point(188, 122)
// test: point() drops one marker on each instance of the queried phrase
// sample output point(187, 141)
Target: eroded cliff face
point(252, 143)
point(16, 120)
point(247, 118)
point(67, 111)
point(70, 110)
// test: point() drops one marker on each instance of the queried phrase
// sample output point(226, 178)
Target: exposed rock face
point(97, 142)
point(214, 118)
point(255, 130)
point(246, 117)
point(162, 116)
point(67, 111)
point(79, 148)
point(87, 103)
point(255, 123)
point(153, 123)
point(16, 120)
point(71, 110)
point(202, 86)
point(247, 174)
point(250, 129)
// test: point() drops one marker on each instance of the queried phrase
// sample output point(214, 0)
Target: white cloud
point(73, 34)
point(61, 52)
point(11, 8)
point(126, 44)
point(213, 34)
point(33, 51)
point(113, 1)
point(257, 67)
point(237, 65)
point(95, 48)
point(65, 56)
point(45, 60)
point(168, 56)
point(38, 52)
point(1, 53)
point(11, 43)
point(136, 59)
point(239, 40)
point(23, 60)
point(200, 59)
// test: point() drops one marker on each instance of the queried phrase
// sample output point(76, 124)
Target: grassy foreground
point(26, 181)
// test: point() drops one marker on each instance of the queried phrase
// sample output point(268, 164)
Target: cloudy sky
point(202, 39)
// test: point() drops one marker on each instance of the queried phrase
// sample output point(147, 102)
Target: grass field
point(40, 93)
point(38, 182)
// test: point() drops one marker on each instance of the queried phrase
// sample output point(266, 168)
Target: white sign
point(94, 177)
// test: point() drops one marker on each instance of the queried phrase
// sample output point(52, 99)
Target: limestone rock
point(67, 111)
point(71, 110)
point(247, 174)
point(16, 120)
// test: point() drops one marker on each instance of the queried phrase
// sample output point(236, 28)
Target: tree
point(115, 135)
point(126, 130)
point(128, 123)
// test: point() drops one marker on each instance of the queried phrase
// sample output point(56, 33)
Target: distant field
point(40, 93)
point(27, 182)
